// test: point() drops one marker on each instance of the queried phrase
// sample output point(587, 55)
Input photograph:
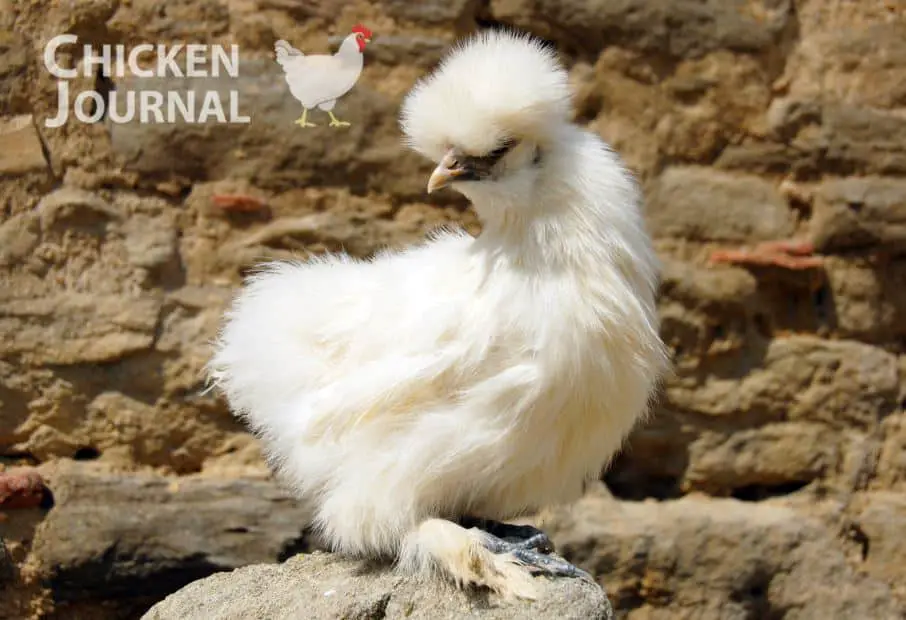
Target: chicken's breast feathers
point(320, 78)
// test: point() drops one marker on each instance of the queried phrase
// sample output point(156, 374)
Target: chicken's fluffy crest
point(494, 83)
point(465, 377)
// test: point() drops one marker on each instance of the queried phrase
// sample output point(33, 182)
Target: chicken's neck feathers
point(584, 218)
point(349, 50)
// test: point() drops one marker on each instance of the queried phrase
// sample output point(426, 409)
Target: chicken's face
point(489, 116)
point(510, 168)
point(362, 36)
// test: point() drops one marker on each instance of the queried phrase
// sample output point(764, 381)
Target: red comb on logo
point(359, 28)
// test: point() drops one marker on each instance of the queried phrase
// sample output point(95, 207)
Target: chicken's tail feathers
point(437, 545)
point(285, 52)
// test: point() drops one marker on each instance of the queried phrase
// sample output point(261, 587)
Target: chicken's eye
point(502, 150)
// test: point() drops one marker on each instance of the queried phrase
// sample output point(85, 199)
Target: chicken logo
point(317, 81)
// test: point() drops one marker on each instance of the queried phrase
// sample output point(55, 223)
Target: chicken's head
point(362, 36)
point(488, 115)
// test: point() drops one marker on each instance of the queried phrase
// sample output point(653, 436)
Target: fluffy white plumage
point(483, 376)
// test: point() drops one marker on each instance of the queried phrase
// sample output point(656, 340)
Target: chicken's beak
point(448, 170)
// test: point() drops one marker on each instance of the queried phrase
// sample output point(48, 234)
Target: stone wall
point(769, 135)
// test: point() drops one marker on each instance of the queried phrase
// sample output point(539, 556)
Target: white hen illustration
point(317, 81)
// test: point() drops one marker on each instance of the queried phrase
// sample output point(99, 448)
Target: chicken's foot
point(302, 120)
point(536, 561)
point(527, 544)
point(335, 122)
point(527, 536)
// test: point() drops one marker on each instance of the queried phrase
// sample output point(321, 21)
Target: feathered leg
point(476, 557)
point(463, 556)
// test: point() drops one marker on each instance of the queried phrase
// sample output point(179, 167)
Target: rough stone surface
point(880, 519)
point(7, 567)
point(83, 328)
point(20, 146)
point(321, 587)
point(840, 383)
point(134, 539)
point(860, 213)
point(698, 557)
point(684, 29)
point(700, 204)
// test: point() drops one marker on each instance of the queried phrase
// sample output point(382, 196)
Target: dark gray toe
point(534, 557)
point(524, 536)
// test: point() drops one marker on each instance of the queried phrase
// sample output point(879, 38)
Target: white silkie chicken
point(418, 395)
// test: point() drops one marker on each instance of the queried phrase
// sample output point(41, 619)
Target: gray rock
point(322, 587)
point(800, 378)
point(753, 461)
point(687, 28)
point(81, 326)
point(762, 158)
point(125, 537)
point(19, 235)
point(706, 205)
point(868, 294)
point(70, 206)
point(198, 21)
point(860, 213)
point(881, 520)
point(10, 584)
point(61, 210)
point(787, 116)
point(20, 146)
point(891, 466)
point(7, 567)
point(863, 65)
point(431, 12)
point(14, 62)
point(710, 558)
point(819, 139)
point(859, 139)
point(421, 51)
point(150, 242)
